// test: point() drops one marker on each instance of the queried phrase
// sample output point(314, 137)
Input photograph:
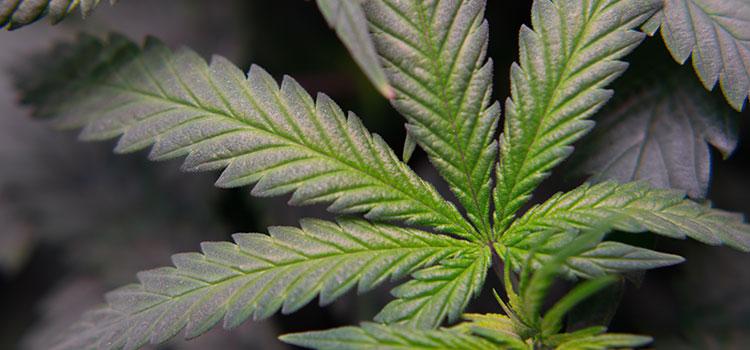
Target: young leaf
point(715, 33)
point(255, 277)
point(659, 131)
point(435, 56)
point(497, 328)
point(605, 342)
point(348, 19)
point(388, 337)
point(565, 62)
point(552, 320)
point(18, 13)
point(278, 137)
point(665, 212)
point(438, 292)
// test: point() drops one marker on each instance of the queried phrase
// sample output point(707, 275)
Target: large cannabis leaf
point(348, 19)
point(219, 117)
point(18, 13)
point(435, 57)
point(665, 212)
point(717, 34)
point(565, 62)
point(660, 132)
point(255, 277)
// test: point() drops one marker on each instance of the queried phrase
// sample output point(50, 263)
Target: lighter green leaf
point(565, 62)
point(495, 327)
point(665, 212)
point(717, 34)
point(660, 132)
point(435, 56)
point(388, 337)
point(605, 342)
point(259, 132)
point(255, 277)
point(18, 13)
point(438, 292)
point(348, 19)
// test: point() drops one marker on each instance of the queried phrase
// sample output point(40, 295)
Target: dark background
point(77, 221)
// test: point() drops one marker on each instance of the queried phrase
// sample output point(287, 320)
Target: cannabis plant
point(428, 58)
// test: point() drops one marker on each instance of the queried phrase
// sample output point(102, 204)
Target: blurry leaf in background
point(658, 128)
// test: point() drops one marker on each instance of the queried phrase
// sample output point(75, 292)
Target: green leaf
point(348, 19)
point(255, 277)
point(565, 62)
point(387, 337)
point(715, 33)
point(665, 212)
point(278, 137)
point(438, 292)
point(495, 327)
point(659, 130)
point(435, 56)
point(552, 320)
point(605, 341)
point(18, 13)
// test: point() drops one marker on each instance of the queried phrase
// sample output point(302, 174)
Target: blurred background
point(76, 220)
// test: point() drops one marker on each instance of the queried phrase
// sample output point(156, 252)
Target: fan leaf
point(388, 337)
point(18, 13)
point(255, 277)
point(665, 212)
point(434, 53)
point(716, 34)
point(259, 132)
point(565, 62)
point(347, 18)
point(438, 292)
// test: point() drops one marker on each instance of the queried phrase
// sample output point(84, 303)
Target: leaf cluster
point(430, 60)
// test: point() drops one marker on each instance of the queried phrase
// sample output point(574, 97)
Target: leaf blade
point(664, 212)
point(258, 131)
point(390, 337)
point(255, 277)
point(565, 62)
point(435, 56)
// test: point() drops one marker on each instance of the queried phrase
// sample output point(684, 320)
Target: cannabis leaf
point(715, 33)
point(438, 292)
point(388, 337)
point(18, 13)
point(565, 62)
point(348, 19)
point(255, 277)
point(435, 56)
point(276, 136)
point(665, 212)
point(660, 132)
